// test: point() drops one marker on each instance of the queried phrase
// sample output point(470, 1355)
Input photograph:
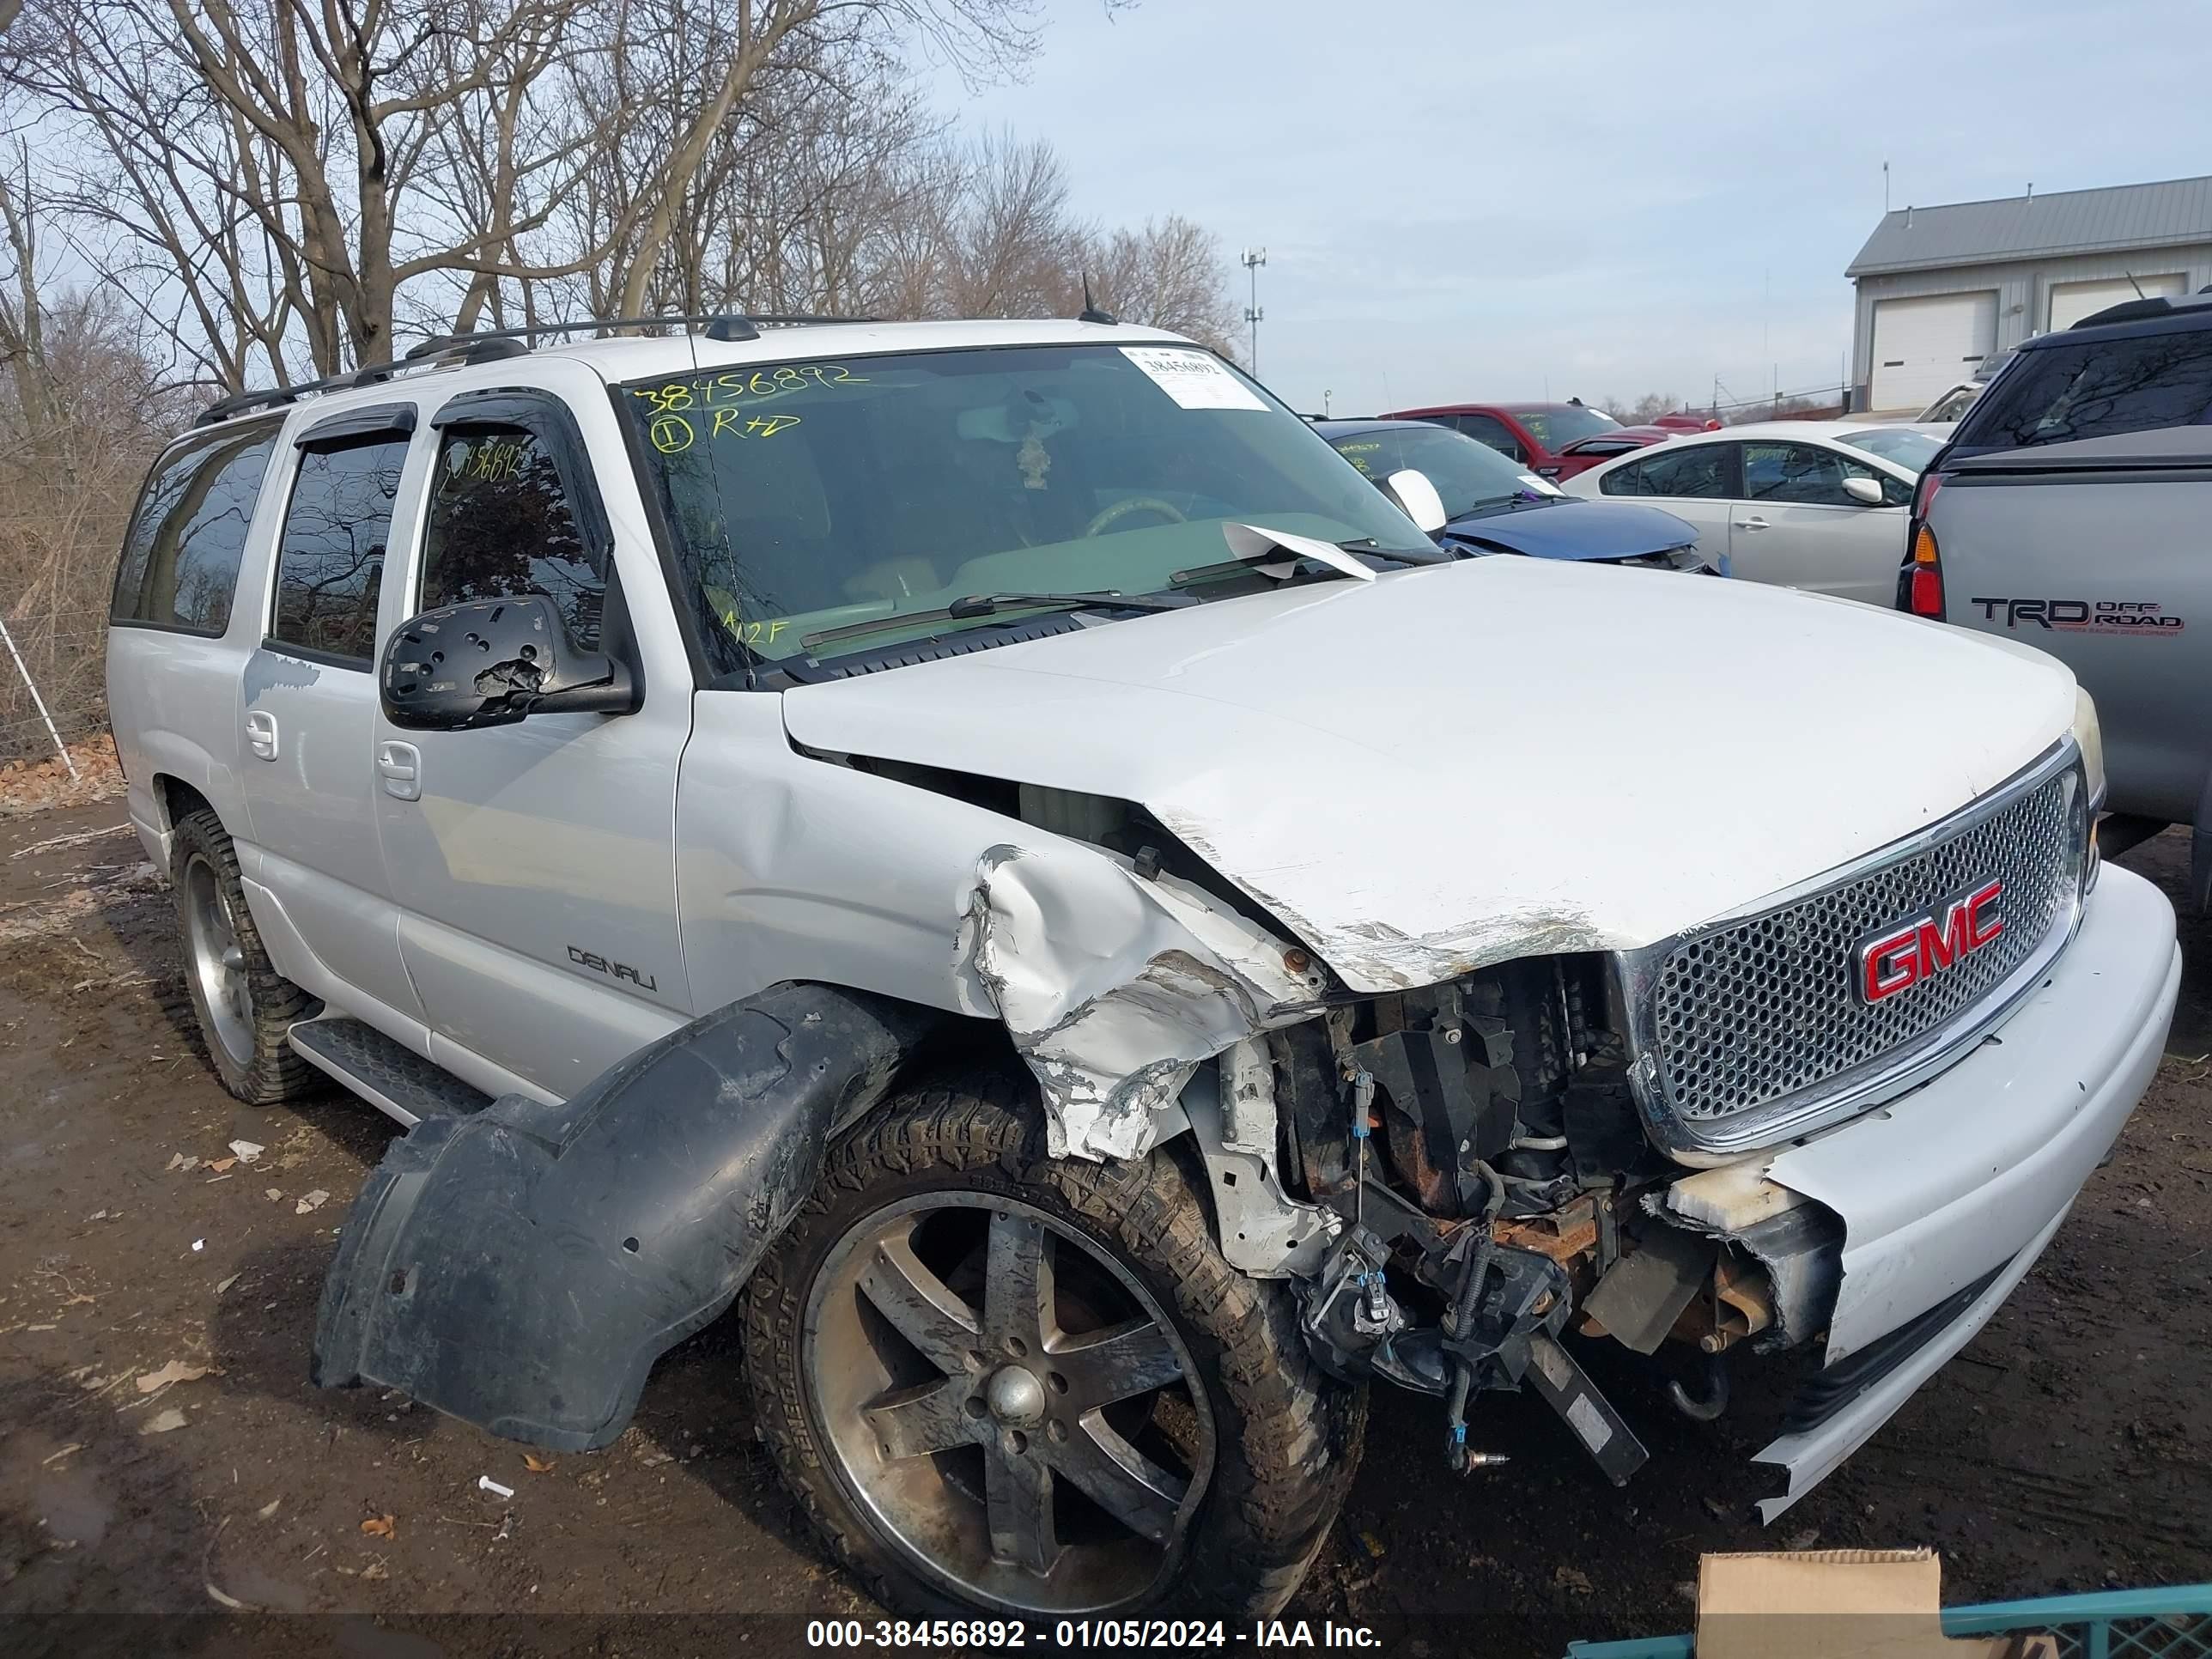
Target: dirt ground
point(2065, 1451)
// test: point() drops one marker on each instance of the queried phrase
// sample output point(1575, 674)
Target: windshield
point(1468, 474)
point(1900, 445)
point(813, 495)
point(1555, 428)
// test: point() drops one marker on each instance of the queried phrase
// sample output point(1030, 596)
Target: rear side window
point(1700, 471)
point(1489, 430)
point(181, 558)
point(2094, 389)
point(500, 525)
point(330, 563)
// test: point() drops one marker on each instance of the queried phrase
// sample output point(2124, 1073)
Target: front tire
point(1003, 1382)
point(246, 1008)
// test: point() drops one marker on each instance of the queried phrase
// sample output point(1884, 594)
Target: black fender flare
point(522, 1268)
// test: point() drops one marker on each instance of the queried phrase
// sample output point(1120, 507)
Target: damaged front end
point(1454, 1177)
point(1472, 1184)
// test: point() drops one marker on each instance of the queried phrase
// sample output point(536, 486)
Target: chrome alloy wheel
point(1010, 1406)
point(217, 961)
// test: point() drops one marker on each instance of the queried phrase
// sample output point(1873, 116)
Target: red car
point(1553, 440)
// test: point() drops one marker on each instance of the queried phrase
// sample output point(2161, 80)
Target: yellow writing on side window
point(672, 434)
point(495, 461)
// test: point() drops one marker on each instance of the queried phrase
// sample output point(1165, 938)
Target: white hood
point(1458, 765)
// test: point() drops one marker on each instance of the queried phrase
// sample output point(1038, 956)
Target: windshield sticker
point(1542, 486)
point(1195, 379)
point(672, 434)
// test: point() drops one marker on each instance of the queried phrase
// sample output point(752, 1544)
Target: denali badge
point(1900, 956)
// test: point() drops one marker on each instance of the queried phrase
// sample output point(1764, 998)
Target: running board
point(395, 1080)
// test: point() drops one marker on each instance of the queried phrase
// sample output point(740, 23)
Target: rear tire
point(245, 1007)
point(1243, 1455)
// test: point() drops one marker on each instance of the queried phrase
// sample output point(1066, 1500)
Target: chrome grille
point(1742, 1019)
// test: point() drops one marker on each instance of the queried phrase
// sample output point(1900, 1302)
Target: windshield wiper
point(1403, 554)
point(985, 605)
point(1276, 555)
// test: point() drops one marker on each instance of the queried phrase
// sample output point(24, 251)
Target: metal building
point(1940, 289)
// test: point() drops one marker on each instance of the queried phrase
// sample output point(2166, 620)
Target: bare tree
point(1170, 275)
point(1644, 410)
point(291, 166)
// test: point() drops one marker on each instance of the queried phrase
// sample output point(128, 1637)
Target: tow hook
point(1717, 1393)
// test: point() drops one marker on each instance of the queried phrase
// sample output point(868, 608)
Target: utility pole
point(1253, 258)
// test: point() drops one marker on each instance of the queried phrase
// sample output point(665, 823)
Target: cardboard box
point(1837, 1604)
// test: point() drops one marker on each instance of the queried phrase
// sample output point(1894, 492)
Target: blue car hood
point(1576, 529)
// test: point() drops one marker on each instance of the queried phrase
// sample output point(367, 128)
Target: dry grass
point(33, 786)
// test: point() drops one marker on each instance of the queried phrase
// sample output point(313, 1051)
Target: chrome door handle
point(261, 735)
point(400, 766)
point(1749, 524)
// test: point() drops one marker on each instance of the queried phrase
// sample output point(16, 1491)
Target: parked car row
point(1553, 441)
point(1491, 505)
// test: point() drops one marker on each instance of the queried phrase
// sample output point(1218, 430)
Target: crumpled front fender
point(523, 1267)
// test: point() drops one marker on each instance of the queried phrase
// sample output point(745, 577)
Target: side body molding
point(523, 1267)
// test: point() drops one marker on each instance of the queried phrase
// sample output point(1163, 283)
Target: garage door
point(1923, 348)
point(2071, 301)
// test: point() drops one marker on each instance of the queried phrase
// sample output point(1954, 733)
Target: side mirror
point(1865, 491)
point(1417, 498)
point(492, 662)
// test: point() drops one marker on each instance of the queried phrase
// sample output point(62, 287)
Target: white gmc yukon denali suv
point(989, 854)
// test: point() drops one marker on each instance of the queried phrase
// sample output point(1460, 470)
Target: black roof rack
point(486, 345)
point(715, 325)
point(2157, 304)
point(483, 350)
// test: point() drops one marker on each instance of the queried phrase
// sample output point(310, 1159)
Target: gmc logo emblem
point(1899, 958)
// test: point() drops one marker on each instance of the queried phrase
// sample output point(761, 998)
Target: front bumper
point(1950, 1193)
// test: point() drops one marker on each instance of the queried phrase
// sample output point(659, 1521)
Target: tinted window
point(500, 525)
point(1697, 470)
point(330, 562)
point(180, 566)
point(1555, 428)
point(1900, 445)
point(2093, 389)
point(1794, 472)
point(1489, 430)
point(1467, 474)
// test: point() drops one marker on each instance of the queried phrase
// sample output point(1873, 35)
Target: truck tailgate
point(2099, 553)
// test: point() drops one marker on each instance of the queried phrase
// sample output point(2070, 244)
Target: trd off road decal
point(2138, 618)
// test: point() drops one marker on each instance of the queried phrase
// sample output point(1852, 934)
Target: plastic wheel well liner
point(521, 1268)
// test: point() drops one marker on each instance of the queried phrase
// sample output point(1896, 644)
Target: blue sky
point(1594, 199)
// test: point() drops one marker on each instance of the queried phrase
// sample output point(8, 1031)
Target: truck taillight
point(1925, 587)
point(1930, 482)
